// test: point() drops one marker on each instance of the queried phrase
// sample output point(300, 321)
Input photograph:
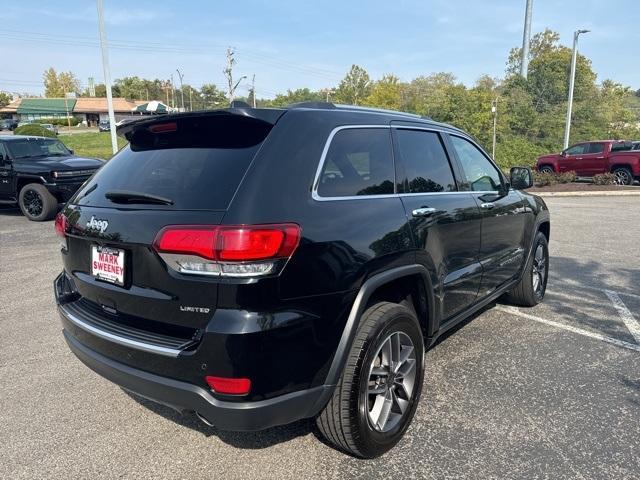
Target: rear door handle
point(423, 212)
point(487, 205)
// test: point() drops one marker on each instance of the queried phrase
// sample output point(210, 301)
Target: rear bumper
point(182, 396)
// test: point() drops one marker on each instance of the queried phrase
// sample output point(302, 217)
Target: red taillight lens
point(229, 386)
point(230, 243)
point(61, 225)
point(189, 240)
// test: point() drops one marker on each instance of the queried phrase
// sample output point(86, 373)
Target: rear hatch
point(177, 170)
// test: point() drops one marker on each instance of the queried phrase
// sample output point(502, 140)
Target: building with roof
point(94, 109)
point(88, 109)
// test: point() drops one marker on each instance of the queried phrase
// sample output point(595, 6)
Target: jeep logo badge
point(100, 225)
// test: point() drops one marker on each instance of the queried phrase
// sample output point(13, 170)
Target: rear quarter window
point(359, 162)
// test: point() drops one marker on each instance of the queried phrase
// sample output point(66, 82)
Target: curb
point(602, 193)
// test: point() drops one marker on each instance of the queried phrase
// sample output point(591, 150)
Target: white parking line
point(573, 283)
point(580, 331)
point(625, 315)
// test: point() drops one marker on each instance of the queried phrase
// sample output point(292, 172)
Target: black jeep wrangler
point(38, 173)
point(260, 266)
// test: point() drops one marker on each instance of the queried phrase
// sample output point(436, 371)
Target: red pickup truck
point(591, 158)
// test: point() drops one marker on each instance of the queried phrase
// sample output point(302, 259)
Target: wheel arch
point(409, 285)
point(23, 180)
point(550, 165)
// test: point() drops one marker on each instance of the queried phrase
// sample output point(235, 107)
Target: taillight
point(61, 224)
point(231, 251)
point(229, 386)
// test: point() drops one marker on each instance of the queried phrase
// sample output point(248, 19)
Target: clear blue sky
point(292, 44)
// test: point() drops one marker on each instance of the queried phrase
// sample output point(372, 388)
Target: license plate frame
point(108, 264)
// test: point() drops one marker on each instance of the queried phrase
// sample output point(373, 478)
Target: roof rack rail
point(311, 105)
point(379, 110)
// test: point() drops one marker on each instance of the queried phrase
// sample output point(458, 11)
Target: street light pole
point(572, 79)
point(494, 110)
point(526, 35)
point(107, 76)
point(180, 75)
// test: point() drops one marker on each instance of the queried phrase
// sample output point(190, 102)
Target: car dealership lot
point(552, 391)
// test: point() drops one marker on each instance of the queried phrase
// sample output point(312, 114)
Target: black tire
point(623, 176)
point(547, 169)
point(345, 421)
point(529, 293)
point(37, 203)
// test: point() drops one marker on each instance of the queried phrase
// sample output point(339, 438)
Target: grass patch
point(91, 144)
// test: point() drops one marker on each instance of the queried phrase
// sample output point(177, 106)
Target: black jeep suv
point(38, 173)
point(260, 266)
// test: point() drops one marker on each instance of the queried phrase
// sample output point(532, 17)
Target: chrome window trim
point(127, 342)
point(325, 150)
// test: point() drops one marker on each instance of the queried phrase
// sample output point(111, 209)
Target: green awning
point(46, 106)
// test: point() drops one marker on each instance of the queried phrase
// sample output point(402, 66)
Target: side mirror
point(521, 178)
point(70, 150)
point(563, 153)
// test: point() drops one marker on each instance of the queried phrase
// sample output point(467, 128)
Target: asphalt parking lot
point(548, 392)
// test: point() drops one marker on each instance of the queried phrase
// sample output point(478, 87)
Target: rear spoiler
point(267, 115)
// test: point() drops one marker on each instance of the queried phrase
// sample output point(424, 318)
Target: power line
point(155, 47)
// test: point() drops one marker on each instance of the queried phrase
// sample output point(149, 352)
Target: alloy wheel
point(622, 177)
point(392, 378)
point(33, 203)
point(539, 270)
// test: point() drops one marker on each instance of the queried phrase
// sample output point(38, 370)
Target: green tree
point(540, 43)
point(5, 99)
point(296, 96)
point(212, 97)
point(57, 85)
point(355, 86)
point(386, 93)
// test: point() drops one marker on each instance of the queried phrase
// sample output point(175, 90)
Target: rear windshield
point(197, 164)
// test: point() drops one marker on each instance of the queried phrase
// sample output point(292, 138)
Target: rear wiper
point(126, 196)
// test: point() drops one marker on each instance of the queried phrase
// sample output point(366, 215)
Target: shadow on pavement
point(245, 440)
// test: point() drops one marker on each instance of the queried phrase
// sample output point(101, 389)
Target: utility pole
point(494, 110)
point(228, 72)
point(173, 94)
point(253, 89)
point(526, 36)
point(572, 79)
point(190, 99)
point(181, 76)
point(107, 75)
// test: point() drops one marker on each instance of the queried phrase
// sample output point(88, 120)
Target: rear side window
point(424, 166)
point(596, 148)
point(359, 162)
point(197, 164)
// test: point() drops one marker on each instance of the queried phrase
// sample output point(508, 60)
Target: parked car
point(38, 173)
point(24, 122)
point(8, 124)
point(591, 158)
point(104, 126)
point(261, 266)
point(51, 127)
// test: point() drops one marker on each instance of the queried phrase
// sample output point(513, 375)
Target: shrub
point(546, 179)
point(33, 129)
point(604, 179)
point(566, 177)
point(60, 121)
